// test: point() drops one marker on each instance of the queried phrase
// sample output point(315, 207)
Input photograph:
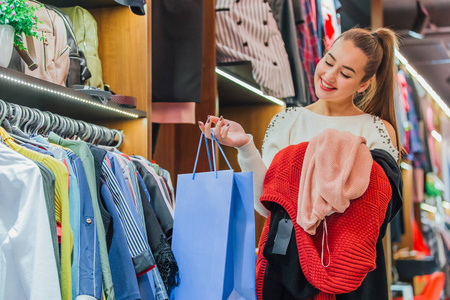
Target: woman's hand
point(227, 132)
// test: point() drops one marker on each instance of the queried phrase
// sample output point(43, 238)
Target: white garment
point(296, 125)
point(27, 260)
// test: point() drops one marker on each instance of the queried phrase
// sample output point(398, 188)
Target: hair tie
point(375, 35)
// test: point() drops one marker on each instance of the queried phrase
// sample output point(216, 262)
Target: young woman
point(360, 64)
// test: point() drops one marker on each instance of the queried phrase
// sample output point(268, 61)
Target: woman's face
point(339, 73)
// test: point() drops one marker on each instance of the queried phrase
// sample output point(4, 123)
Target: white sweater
point(296, 125)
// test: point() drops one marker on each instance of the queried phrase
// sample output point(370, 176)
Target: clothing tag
point(283, 236)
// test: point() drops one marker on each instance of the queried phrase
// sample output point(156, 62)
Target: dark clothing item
point(165, 260)
point(99, 156)
point(162, 212)
point(177, 55)
point(284, 279)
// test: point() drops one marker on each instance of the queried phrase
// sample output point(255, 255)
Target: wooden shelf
point(87, 4)
point(232, 94)
point(16, 87)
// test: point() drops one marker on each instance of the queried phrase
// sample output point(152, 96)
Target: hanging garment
point(122, 268)
point(162, 210)
point(137, 245)
point(332, 29)
point(309, 46)
point(61, 207)
point(247, 31)
point(81, 149)
point(177, 55)
point(88, 280)
point(285, 13)
point(27, 260)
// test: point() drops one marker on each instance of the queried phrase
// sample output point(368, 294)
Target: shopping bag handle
point(213, 138)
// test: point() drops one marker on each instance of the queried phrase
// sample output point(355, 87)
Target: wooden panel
point(149, 79)
point(123, 51)
point(255, 120)
point(135, 135)
point(376, 14)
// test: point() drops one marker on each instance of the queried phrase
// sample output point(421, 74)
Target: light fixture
point(436, 136)
point(248, 87)
point(423, 83)
point(420, 22)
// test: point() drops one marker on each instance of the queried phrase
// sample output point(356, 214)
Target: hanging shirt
point(81, 149)
point(27, 262)
point(61, 207)
point(331, 27)
point(247, 31)
point(309, 45)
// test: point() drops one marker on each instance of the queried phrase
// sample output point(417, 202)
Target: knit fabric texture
point(336, 169)
point(352, 235)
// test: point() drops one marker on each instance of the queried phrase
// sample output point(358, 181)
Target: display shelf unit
point(87, 4)
point(16, 87)
point(232, 93)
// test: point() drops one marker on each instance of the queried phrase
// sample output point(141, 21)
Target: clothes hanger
point(3, 110)
point(120, 134)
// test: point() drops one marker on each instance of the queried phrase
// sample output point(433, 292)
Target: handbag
point(214, 233)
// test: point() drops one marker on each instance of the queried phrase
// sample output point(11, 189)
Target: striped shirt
point(247, 31)
point(136, 242)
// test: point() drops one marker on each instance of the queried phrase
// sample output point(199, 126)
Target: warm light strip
point(424, 84)
point(405, 166)
point(248, 87)
point(446, 204)
point(436, 135)
point(427, 207)
point(38, 87)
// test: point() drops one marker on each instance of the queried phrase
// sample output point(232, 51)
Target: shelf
point(87, 4)
point(16, 87)
point(233, 94)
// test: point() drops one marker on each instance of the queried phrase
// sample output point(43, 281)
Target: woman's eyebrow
point(347, 67)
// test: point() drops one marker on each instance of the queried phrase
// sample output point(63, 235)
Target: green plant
point(20, 15)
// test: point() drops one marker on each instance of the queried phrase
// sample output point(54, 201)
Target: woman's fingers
point(218, 128)
point(225, 130)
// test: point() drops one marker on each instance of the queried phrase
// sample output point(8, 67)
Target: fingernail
point(199, 123)
point(228, 125)
point(221, 118)
point(207, 121)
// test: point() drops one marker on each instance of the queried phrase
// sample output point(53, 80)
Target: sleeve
point(250, 160)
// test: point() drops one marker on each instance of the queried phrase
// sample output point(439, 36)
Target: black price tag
point(283, 236)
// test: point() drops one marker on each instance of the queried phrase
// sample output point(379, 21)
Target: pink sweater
point(336, 169)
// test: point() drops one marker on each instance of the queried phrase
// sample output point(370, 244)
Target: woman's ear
point(365, 85)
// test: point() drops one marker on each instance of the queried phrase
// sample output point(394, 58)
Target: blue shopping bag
point(214, 234)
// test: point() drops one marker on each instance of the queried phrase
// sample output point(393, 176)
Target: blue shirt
point(89, 275)
point(122, 268)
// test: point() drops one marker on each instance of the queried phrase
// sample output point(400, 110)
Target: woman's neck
point(329, 108)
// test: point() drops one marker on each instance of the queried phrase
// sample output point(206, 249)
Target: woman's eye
point(328, 64)
point(346, 76)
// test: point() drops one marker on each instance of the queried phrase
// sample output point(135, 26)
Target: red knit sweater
point(352, 235)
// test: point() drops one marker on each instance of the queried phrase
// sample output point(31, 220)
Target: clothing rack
point(27, 121)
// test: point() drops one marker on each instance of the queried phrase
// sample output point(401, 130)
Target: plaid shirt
point(309, 46)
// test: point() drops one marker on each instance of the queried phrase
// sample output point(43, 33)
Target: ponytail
point(379, 47)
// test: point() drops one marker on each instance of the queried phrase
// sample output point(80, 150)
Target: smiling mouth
point(327, 86)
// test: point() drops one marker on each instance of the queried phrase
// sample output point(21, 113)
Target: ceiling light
point(420, 22)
